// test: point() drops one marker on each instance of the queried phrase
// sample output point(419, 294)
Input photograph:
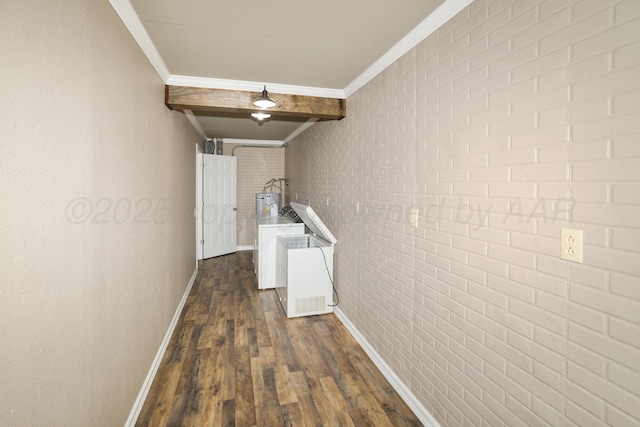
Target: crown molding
point(442, 14)
point(131, 20)
point(249, 86)
point(431, 23)
point(435, 20)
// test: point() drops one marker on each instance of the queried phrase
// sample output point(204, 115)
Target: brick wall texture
point(256, 166)
point(512, 120)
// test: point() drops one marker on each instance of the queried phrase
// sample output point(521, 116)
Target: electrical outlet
point(571, 245)
point(358, 207)
point(414, 216)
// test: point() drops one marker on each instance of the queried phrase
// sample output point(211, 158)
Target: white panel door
point(219, 205)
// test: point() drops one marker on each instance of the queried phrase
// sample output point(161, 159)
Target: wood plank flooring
point(236, 360)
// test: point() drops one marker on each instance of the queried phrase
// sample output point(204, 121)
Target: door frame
point(199, 202)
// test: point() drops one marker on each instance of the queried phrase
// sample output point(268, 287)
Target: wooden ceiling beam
point(239, 102)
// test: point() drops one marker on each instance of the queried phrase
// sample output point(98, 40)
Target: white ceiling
point(324, 48)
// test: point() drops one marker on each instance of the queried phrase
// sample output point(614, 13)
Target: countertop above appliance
point(274, 220)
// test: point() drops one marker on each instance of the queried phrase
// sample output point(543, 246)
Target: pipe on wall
point(233, 151)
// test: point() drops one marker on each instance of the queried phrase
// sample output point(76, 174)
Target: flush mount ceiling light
point(260, 116)
point(264, 101)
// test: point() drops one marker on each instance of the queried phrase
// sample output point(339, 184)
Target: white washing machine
point(304, 267)
point(264, 253)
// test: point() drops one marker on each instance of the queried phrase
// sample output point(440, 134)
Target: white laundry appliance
point(264, 253)
point(304, 267)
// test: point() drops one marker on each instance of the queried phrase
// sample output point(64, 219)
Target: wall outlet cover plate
point(571, 244)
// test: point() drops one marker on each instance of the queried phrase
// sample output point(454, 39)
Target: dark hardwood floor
point(235, 359)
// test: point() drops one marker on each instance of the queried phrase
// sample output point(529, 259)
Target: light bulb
point(260, 116)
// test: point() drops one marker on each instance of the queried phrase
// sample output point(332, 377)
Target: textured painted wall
point(96, 225)
point(514, 119)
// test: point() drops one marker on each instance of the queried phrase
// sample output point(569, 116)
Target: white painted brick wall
point(256, 166)
point(512, 120)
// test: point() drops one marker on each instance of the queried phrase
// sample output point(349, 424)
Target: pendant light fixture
point(260, 116)
point(264, 101)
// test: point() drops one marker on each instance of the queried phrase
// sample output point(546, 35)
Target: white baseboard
point(245, 248)
point(146, 386)
point(421, 412)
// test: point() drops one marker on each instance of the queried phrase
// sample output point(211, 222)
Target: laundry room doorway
point(218, 208)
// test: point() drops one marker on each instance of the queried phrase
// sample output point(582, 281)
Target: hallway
point(235, 359)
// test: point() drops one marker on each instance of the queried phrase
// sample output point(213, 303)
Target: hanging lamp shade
point(260, 116)
point(264, 101)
